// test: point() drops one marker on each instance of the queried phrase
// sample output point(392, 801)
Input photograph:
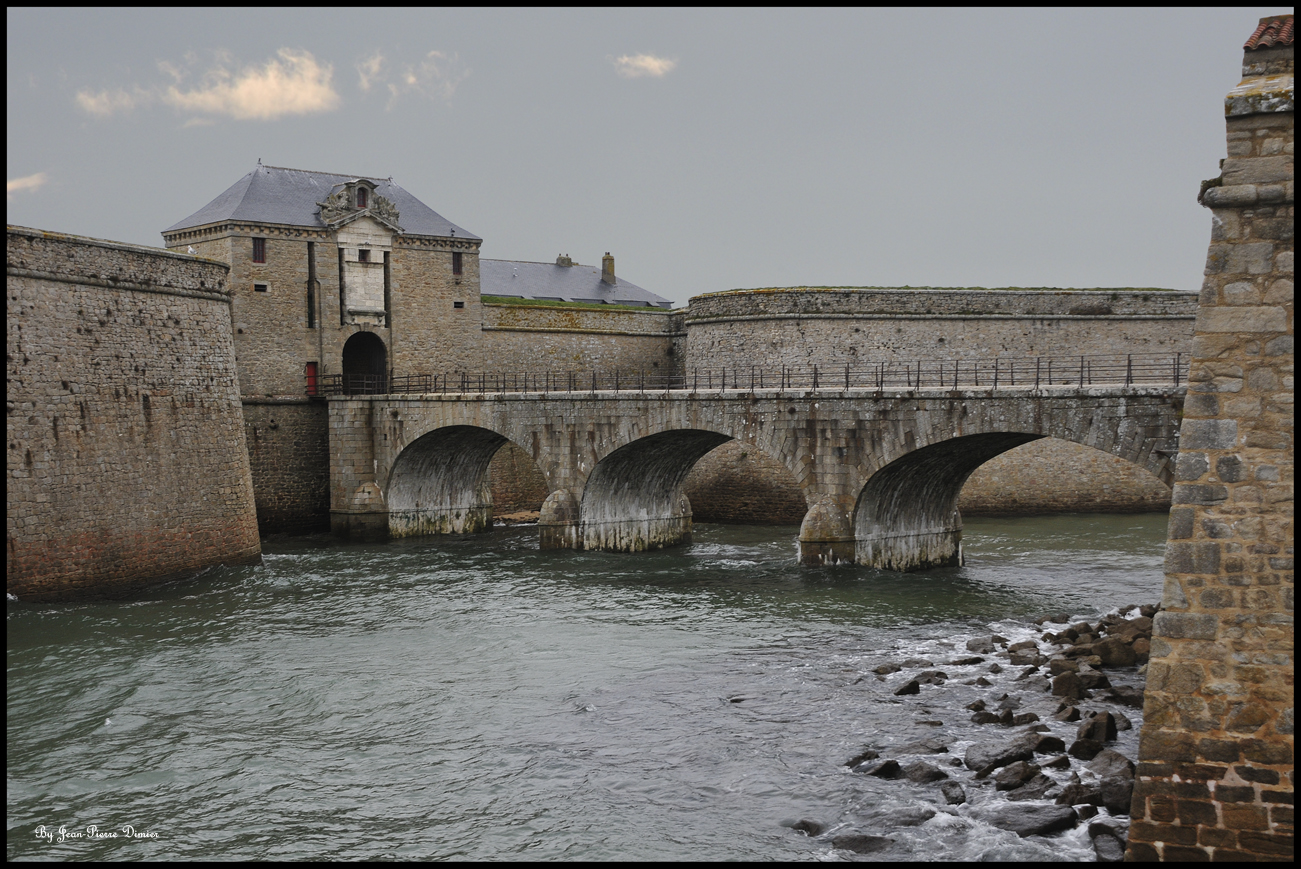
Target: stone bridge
point(881, 468)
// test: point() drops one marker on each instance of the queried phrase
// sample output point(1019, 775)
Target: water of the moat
point(476, 698)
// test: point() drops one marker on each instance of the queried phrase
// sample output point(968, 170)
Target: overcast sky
point(708, 150)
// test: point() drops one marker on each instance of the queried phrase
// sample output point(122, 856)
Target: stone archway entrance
point(365, 365)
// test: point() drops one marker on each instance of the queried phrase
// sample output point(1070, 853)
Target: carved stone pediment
point(339, 208)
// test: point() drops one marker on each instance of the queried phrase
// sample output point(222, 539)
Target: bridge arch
point(438, 483)
point(906, 516)
point(633, 499)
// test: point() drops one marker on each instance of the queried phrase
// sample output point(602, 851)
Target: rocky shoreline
point(1031, 781)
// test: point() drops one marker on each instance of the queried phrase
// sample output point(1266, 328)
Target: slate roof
point(1275, 30)
point(273, 194)
point(576, 283)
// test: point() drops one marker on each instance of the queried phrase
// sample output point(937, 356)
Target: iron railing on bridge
point(1022, 372)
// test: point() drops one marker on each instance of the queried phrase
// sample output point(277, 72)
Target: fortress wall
point(126, 461)
point(801, 327)
point(289, 456)
point(519, 338)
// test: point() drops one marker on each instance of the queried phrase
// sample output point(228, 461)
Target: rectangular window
point(456, 264)
point(311, 285)
point(363, 256)
point(259, 288)
point(458, 304)
point(361, 197)
point(259, 250)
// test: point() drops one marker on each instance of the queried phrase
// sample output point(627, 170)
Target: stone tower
point(1215, 774)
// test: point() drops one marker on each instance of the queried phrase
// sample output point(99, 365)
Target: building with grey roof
point(563, 281)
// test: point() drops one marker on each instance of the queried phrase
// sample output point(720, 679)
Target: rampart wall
point(833, 327)
point(518, 338)
point(126, 460)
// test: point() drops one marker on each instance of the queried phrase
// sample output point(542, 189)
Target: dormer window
point(361, 198)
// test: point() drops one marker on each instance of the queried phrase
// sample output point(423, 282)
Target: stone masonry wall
point(537, 338)
point(1216, 762)
point(126, 461)
point(834, 327)
point(289, 456)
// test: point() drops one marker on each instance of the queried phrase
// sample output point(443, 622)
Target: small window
point(259, 288)
point(457, 267)
point(361, 200)
point(458, 304)
point(363, 256)
point(259, 250)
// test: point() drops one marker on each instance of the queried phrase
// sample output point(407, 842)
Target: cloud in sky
point(436, 76)
point(293, 83)
point(638, 65)
point(30, 182)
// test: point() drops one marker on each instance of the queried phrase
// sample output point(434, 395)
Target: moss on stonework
point(591, 306)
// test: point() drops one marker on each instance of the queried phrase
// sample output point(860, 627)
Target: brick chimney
point(607, 269)
point(564, 260)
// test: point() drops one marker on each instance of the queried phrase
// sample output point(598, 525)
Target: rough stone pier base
point(826, 535)
point(906, 552)
point(1216, 762)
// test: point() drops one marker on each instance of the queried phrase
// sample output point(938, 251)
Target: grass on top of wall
point(592, 306)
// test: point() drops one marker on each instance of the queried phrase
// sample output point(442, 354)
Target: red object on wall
point(310, 373)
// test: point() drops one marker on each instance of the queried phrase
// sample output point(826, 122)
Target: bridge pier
point(826, 534)
point(558, 521)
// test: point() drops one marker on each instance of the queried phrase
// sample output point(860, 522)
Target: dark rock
point(1028, 671)
point(1142, 649)
point(1085, 651)
point(982, 682)
point(1108, 843)
point(1126, 695)
point(931, 677)
point(1075, 794)
point(1061, 761)
point(909, 687)
point(1007, 701)
point(984, 718)
point(1109, 762)
point(1117, 793)
point(1122, 723)
point(886, 669)
point(888, 769)
point(991, 755)
point(995, 668)
point(1024, 718)
point(1085, 749)
point(981, 645)
point(1058, 666)
point(1068, 685)
point(923, 773)
point(808, 828)
point(1101, 727)
point(865, 755)
point(965, 662)
point(912, 663)
point(954, 795)
point(1032, 820)
point(1091, 679)
point(1067, 713)
point(906, 817)
point(1022, 657)
point(1014, 775)
point(1115, 652)
point(1041, 743)
point(860, 843)
point(1149, 610)
point(976, 706)
point(1036, 788)
point(930, 745)
point(1024, 644)
point(1086, 811)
